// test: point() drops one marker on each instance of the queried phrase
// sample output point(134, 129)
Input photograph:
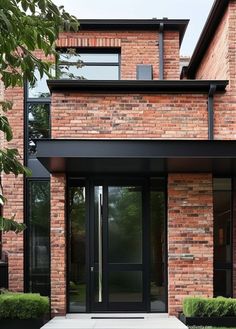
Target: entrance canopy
point(137, 156)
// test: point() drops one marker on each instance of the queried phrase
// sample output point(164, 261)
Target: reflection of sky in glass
point(40, 89)
point(91, 72)
point(90, 58)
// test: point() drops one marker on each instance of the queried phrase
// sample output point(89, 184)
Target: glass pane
point(77, 275)
point(222, 184)
point(40, 89)
point(98, 243)
point(125, 286)
point(89, 58)
point(223, 283)
point(90, 72)
point(38, 124)
point(222, 226)
point(125, 224)
point(38, 229)
point(157, 229)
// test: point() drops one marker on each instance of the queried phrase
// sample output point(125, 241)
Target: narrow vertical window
point(158, 246)
point(38, 228)
point(222, 203)
point(77, 268)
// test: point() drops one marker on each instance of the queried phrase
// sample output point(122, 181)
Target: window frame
point(96, 50)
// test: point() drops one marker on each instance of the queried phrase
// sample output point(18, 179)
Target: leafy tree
point(25, 25)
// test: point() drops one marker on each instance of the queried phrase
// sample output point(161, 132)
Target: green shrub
point(23, 306)
point(209, 307)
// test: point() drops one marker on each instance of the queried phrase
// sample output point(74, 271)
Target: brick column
point(190, 238)
point(58, 245)
point(13, 244)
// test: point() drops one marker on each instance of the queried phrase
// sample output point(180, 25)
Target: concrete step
point(115, 321)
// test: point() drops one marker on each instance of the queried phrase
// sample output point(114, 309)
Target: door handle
point(100, 248)
point(91, 269)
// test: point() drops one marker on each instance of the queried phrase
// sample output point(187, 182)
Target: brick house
point(131, 204)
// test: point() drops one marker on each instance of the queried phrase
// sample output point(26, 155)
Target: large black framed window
point(89, 64)
point(223, 214)
point(38, 236)
point(36, 189)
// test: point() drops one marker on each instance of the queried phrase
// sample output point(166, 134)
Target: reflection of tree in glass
point(125, 224)
point(38, 123)
point(69, 64)
point(39, 226)
point(77, 256)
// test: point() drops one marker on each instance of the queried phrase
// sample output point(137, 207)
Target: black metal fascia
point(210, 105)
point(135, 24)
point(161, 51)
point(72, 148)
point(207, 34)
point(150, 86)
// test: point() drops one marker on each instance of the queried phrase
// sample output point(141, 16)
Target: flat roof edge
point(69, 85)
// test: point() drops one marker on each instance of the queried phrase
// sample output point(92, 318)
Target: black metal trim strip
point(210, 106)
point(136, 85)
point(161, 51)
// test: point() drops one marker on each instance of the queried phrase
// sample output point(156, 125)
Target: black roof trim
point(213, 20)
point(136, 85)
point(136, 156)
point(121, 24)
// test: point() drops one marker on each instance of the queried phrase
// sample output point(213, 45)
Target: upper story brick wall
point(137, 47)
point(92, 115)
point(215, 63)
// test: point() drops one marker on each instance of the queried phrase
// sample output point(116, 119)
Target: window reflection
point(222, 205)
point(38, 229)
point(125, 224)
point(91, 66)
point(77, 274)
point(157, 229)
point(38, 124)
point(40, 88)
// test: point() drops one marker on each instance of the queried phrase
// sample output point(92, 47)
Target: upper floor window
point(89, 65)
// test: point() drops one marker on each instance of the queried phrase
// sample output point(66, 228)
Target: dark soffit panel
point(137, 156)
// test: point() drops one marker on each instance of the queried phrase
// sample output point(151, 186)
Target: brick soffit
point(212, 22)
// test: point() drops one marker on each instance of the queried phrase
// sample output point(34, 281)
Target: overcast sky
point(195, 10)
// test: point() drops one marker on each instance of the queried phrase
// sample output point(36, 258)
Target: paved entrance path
point(115, 321)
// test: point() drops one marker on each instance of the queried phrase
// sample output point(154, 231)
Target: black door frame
point(88, 183)
point(107, 306)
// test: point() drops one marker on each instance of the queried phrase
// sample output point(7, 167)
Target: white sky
point(195, 10)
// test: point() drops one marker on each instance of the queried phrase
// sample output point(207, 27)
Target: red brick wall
point(13, 191)
point(215, 63)
point(173, 116)
point(58, 244)
point(171, 55)
point(190, 232)
point(137, 47)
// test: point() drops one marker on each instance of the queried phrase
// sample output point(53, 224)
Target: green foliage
point(209, 307)
point(25, 26)
point(23, 306)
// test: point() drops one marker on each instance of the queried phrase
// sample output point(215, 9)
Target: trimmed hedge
point(209, 307)
point(23, 306)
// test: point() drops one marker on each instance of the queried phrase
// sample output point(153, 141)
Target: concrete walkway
point(115, 321)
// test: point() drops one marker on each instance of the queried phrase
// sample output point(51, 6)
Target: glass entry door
point(117, 235)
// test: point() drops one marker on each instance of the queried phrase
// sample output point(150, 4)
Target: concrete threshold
point(115, 321)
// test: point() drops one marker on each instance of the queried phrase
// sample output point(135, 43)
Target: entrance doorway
point(121, 233)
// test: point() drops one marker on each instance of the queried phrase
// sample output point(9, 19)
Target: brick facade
point(76, 115)
point(136, 48)
point(190, 238)
point(13, 244)
point(58, 244)
point(138, 116)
